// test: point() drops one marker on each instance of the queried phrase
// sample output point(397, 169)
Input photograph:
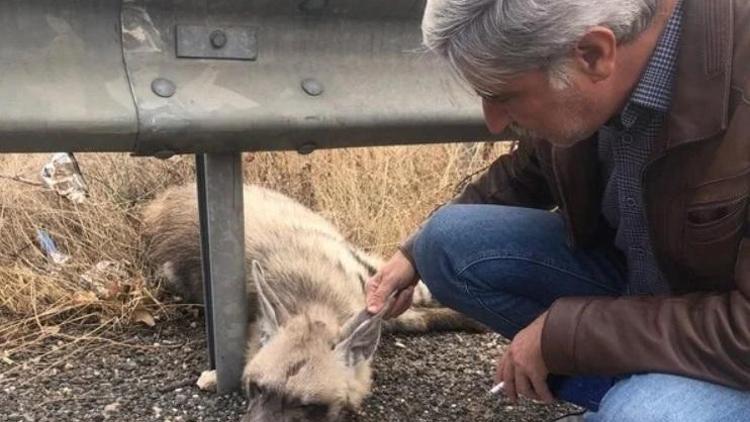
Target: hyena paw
point(207, 381)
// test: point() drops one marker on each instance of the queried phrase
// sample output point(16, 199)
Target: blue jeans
point(504, 266)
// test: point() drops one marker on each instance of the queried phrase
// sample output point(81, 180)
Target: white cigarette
point(496, 389)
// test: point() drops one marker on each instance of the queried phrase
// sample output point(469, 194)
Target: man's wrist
point(558, 335)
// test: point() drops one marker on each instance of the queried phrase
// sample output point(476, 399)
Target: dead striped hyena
point(310, 340)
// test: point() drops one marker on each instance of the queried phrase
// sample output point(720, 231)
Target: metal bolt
point(312, 87)
point(313, 5)
point(307, 148)
point(163, 87)
point(218, 39)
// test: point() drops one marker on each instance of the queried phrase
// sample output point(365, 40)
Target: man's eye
point(500, 99)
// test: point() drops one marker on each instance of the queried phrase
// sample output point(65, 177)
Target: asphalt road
point(149, 374)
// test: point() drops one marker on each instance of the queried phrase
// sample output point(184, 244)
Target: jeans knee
point(433, 255)
point(671, 398)
point(443, 227)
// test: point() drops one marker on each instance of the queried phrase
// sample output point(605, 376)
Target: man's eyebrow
point(494, 95)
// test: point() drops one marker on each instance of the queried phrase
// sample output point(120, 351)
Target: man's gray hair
point(488, 41)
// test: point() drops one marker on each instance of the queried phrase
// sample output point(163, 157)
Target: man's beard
point(521, 133)
point(568, 136)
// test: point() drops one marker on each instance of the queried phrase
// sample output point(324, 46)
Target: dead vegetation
point(376, 195)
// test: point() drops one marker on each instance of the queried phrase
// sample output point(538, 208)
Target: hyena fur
point(310, 341)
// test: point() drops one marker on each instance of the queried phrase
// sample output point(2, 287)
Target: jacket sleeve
point(701, 335)
point(514, 179)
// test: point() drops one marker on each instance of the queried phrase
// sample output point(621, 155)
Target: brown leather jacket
point(696, 189)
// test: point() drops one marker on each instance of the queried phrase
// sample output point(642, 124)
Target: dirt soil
point(149, 374)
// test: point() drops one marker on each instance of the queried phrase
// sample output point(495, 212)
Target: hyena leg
point(427, 314)
point(429, 319)
point(422, 297)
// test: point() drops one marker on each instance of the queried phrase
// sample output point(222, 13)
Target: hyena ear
point(359, 338)
point(361, 334)
point(272, 311)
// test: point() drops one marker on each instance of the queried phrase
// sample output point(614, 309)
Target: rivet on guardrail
point(163, 87)
point(312, 87)
point(218, 39)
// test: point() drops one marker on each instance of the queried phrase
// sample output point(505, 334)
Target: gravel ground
point(149, 374)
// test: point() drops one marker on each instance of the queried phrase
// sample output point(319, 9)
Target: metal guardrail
point(217, 77)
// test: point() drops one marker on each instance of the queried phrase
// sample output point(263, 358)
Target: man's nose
point(496, 117)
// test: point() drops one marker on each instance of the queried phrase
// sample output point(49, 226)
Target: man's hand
point(396, 274)
point(522, 367)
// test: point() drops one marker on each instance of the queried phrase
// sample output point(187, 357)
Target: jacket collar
point(702, 83)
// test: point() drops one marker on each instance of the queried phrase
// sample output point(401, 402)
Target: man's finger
point(402, 303)
point(376, 292)
point(523, 385)
point(499, 368)
point(509, 379)
point(542, 389)
point(373, 283)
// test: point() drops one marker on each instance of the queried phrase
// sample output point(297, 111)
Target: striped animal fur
point(310, 343)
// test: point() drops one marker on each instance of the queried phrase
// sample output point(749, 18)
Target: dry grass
point(376, 195)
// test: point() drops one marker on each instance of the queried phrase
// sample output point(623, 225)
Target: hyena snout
point(267, 406)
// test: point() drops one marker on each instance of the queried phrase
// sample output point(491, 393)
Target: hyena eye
point(316, 411)
point(253, 390)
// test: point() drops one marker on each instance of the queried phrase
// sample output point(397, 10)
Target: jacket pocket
point(708, 223)
point(712, 234)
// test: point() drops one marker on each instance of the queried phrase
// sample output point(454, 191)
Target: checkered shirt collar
point(654, 90)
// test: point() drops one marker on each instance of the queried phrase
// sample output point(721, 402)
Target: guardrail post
point(220, 203)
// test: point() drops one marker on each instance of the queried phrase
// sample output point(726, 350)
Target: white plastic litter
point(50, 248)
point(105, 278)
point(63, 175)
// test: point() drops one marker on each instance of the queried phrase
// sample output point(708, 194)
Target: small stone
point(112, 407)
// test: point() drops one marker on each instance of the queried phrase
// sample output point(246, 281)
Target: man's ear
point(596, 53)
